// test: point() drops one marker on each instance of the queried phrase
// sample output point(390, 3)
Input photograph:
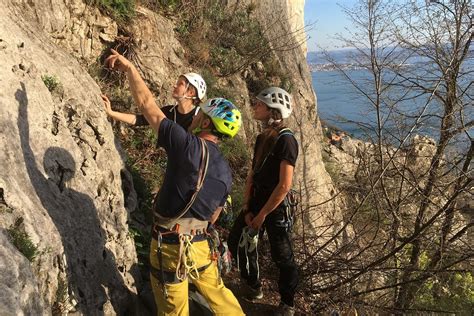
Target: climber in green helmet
point(195, 187)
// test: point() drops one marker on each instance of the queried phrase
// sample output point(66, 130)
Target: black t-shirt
point(171, 112)
point(267, 177)
point(184, 156)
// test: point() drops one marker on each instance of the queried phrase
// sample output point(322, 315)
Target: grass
point(224, 39)
point(22, 241)
point(61, 305)
point(51, 82)
point(121, 10)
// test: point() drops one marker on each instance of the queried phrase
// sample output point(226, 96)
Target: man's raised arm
point(141, 94)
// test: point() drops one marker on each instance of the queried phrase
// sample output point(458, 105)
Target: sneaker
point(254, 294)
point(285, 310)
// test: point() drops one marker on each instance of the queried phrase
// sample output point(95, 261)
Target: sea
point(341, 106)
point(338, 103)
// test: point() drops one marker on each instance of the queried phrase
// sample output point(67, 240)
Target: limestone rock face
point(295, 9)
point(62, 170)
point(281, 23)
point(421, 149)
point(62, 174)
point(19, 294)
point(160, 55)
point(72, 24)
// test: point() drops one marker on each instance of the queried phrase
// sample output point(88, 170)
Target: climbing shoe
point(254, 293)
point(285, 310)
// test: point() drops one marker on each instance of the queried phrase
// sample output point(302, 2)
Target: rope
point(249, 243)
point(186, 264)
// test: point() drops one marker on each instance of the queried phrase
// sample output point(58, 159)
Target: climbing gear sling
point(248, 243)
point(184, 228)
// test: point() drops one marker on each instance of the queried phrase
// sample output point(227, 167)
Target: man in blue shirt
point(196, 184)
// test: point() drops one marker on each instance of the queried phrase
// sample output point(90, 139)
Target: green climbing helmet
point(224, 115)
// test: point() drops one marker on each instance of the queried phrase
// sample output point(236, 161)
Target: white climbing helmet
point(197, 82)
point(277, 98)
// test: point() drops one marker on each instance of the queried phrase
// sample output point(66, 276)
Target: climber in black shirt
point(189, 91)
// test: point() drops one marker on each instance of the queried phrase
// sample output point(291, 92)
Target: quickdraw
point(248, 241)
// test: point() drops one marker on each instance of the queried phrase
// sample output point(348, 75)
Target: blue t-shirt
point(184, 156)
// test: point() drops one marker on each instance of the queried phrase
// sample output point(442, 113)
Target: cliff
point(63, 180)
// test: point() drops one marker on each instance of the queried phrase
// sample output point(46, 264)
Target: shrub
point(121, 10)
point(228, 216)
point(167, 7)
point(61, 306)
point(51, 82)
point(236, 153)
point(142, 239)
point(453, 292)
point(221, 37)
point(213, 89)
point(21, 240)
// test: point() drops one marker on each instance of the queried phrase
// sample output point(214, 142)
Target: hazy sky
point(326, 19)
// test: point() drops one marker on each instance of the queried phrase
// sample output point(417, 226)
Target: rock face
point(311, 178)
point(62, 170)
point(19, 287)
point(63, 175)
point(72, 24)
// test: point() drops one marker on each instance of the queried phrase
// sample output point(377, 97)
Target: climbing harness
point(248, 242)
point(214, 243)
point(291, 199)
point(184, 230)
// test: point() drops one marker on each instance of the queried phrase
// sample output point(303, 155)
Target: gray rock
point(65, 174)
point(20, 293)
point(62, 173)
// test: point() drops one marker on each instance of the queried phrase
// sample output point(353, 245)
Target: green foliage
point(61, 304)
point(227, 218)
point(454, 292)
point(224, 38)
point(144, 174)
point(330, 165)
point(146, 164)
point(144, 214)
point(121, 10)
point(51, 82)
point(21, 240)
point(142, 239)
point(213, 89)
point(271, 74)
point(236, 152)
point(167, 7)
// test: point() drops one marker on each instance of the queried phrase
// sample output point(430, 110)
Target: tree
point(410, 231)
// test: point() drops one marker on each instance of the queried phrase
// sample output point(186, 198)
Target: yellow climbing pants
point(221, 300)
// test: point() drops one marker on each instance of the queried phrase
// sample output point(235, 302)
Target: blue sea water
point(340, 105)
point(338, 101)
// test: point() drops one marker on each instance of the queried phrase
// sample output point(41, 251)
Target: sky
point(324, 19)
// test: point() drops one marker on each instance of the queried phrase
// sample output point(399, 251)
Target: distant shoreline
point(349, 66)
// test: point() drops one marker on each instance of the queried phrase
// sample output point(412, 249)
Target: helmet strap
point(196, 131)
point(200, 128)
point(184, 96)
